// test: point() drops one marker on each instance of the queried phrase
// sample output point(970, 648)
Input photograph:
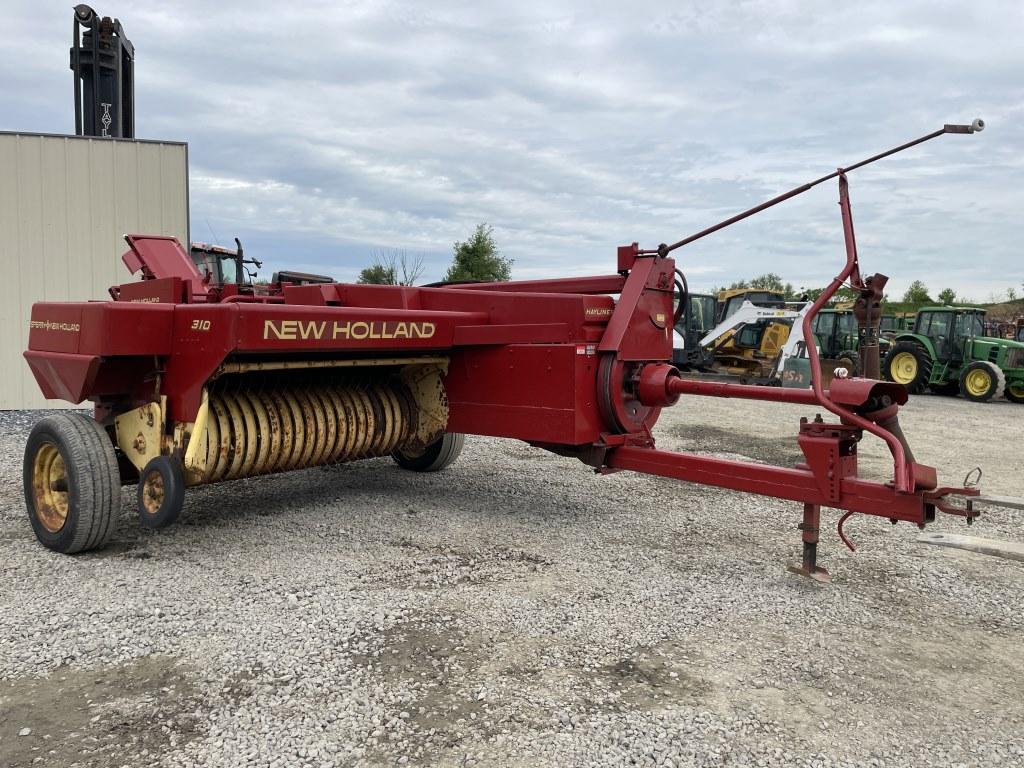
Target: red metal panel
point(501, 308)
point(63, 376)
point(535, 392)
point(641, 326)
point(123, 328)
point(168, 290)
point(55, 327)
point(626, 256)
point(203, 335)
point(377, 296)
point(595, 284)
point(294, 328)
point(471, 335)
point(310, 295)
point(160, 256)
point(102, 328)
point(522, 422)
point(582, 316)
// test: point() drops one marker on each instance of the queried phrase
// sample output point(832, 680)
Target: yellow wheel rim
point(50, 487)
point(903, 368)
point(978, 382)
point(1017, 390)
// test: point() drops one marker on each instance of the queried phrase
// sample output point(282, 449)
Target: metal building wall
point(65, 204)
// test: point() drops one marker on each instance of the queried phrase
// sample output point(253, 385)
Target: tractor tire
point(850, 360)
point(981, 381)
point(1015, 392)
point(947, 389)
point(909, 364)
point(438, 455)
point(72, 483)
point(160, 492)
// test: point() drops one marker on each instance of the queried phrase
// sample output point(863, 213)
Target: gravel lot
point(519, 610)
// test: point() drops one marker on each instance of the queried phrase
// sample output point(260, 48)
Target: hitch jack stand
point(809, 527)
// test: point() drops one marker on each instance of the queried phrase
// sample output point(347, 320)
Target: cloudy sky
point(319, 131)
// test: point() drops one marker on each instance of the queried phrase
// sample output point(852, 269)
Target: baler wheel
point(161, 492)
point(438, 455)
point(72, 483)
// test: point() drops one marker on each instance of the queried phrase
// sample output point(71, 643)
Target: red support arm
point(796, 484)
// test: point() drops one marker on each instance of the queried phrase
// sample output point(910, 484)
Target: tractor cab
point(838, 340)
point(950, 330)
point(226, 271)
point(223, 266)
point(697, 319)
point(836, 330)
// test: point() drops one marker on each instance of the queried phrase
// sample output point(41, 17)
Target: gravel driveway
point(518, 610)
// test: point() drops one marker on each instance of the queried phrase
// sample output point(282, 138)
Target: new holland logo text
point(349, 330)
point(49, 325)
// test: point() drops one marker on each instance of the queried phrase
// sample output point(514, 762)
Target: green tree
point(766, 282)
point(378, 274)
point(917, 293)
point(947, 296)
point(770, 281)
point(844, 294)
point(478, 258)
point(810, 293)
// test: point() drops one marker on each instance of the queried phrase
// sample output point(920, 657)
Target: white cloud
point(320, 130)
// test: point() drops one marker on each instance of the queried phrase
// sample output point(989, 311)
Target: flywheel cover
point(623, 413)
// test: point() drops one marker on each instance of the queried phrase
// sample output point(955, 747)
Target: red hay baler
point(194, 383)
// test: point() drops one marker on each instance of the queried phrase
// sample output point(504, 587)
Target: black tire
point(73, 503)
point(438, 455)
point(981, 381)
point(161, 492)
point(919, 380)
point(851, 357)
point(947, 389)
point(1015, 392)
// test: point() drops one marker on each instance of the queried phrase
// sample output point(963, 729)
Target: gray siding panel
point(65, 204)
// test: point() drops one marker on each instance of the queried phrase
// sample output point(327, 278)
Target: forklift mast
point(103, 63)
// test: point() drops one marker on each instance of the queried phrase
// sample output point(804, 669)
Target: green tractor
point(948, 354)
point(836, 332)
point(839, 339)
